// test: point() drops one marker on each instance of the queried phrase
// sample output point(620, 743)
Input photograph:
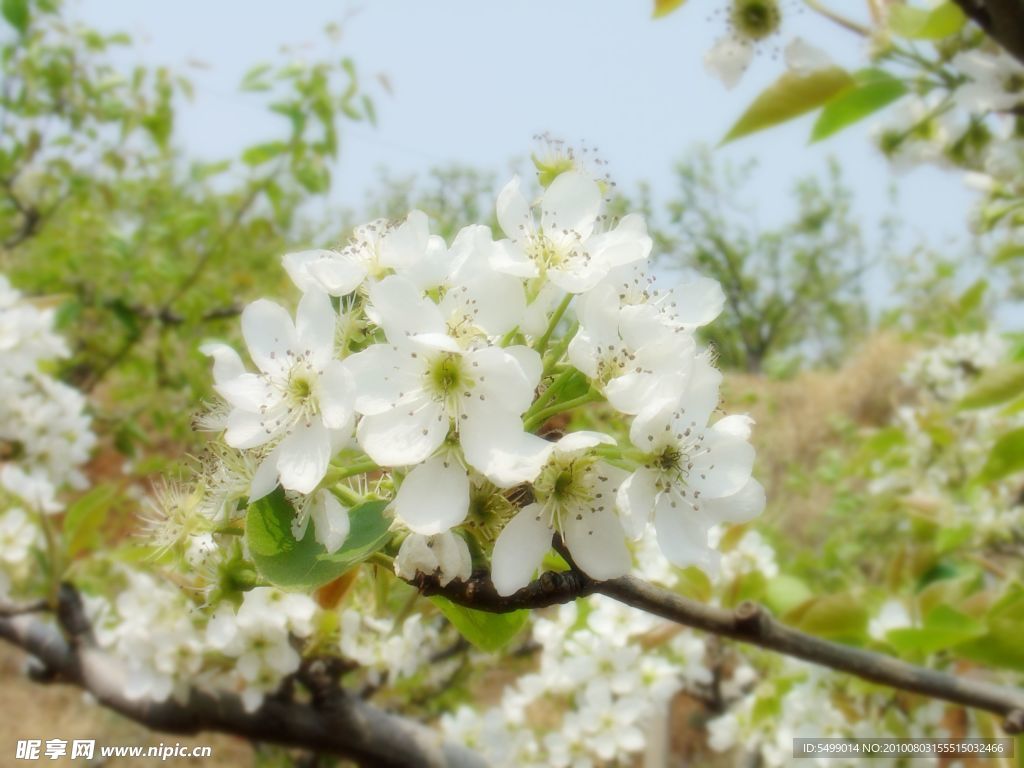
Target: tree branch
point(340, 723)
point(1002, 20)
point(748, 623)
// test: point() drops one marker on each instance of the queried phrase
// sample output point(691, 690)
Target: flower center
point(755, 19)
point(446, 374)
point(544, 253)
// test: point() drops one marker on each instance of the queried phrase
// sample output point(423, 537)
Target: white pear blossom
point(299, 405)
point(445, 554)
point(564, 244)
point(996, 81)
point(574, 497)
point(693, 475)
point(376, 249)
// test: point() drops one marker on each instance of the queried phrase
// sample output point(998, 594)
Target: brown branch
point(340, 723)
point(1002, 20)
point(748, 623)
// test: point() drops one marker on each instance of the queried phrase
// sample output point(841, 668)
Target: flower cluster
point(45, 435)
point(938, 449)
point(596, 696)
point(799, 700)
point(439, 372)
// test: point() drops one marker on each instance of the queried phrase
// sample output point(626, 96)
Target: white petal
point(520, 550)
point(226, 362)
point(494, 443)
point(728, 59)
point(804, 58)
point(683, 534)
point(577, 442)
point(434, 496)
point(741, 507)
point(297, 266)
point(250, 392)
point(339, 275)
point(404, 435)
point(401, 310)
point(572, 203)
point(406, 244)
point(304, 456)
point(454, 558)
point(636, 499)
point(330, 520)
point(269, 334)
point(381, 375)
point(698, 301)
point(723, 467)
point(506, 379)
point(265, 479)
point(336, 395)
point(598, 544)
point(315, 321)
point(701, 397)
point(245, 429)
point(510, 259)
point(737, 425)
point(513, 210)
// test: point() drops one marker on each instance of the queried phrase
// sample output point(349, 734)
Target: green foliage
point(796, 285)
point(943, 629)
point(489, 632)
point(996, 386)
point(144, 249)
point(665, 7)
point(792, 95)
point(1006, 456)
point(305, 564)
point(872, 90)
point(934, 23)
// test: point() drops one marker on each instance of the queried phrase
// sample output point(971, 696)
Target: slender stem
point(351, 470)
point(551, 392)
point(842, 21)
point(544, 414)
point(542, 342)
point(553, 357)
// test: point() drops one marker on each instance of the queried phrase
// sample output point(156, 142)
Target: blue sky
point(474, 81)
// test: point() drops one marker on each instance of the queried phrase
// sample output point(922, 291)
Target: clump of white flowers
point(45, 433)
point(442, 375)
point(597, 696)
point(938, 449)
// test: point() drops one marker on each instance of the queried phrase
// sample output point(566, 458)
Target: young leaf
point(262, 153)
point(926, 23)
point(665, 7)
point(832, 616)
point(84, 519)
point(943, 628)
point(1006, 456)
point(287, 562)
point(996, 385)
point(16, 14)
point(487, 631)
point(874, 89)
point(792, 95)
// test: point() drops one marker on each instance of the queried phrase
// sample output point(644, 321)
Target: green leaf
point(874, 89)
point(665, 7)
point(971, 299)
point(833, 616)
point(306, 564)
point(1006, 456)
point(784, 593)
point(16, 14)
point(943, 628)
point(1001, 645)
point(926, 23)
point(996, 385)
point(262, 153)
point(487, 631)
point(790, 96)
point(84, 519)
point(1008, 252)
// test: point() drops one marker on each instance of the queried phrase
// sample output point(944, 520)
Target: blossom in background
point(750, 22)
point(995, 81)
point(300, 404)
